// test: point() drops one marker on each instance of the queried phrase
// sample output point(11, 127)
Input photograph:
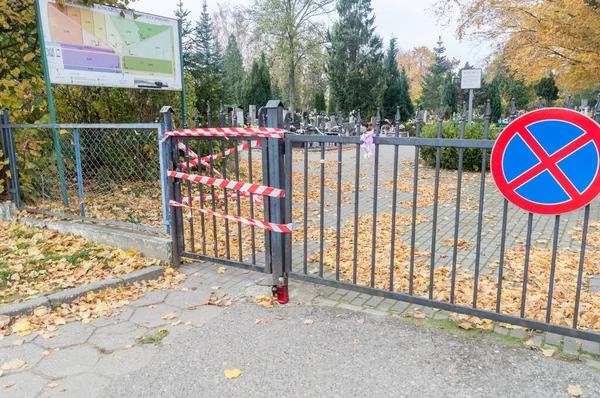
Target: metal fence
point(104, 173)
point(397, 226)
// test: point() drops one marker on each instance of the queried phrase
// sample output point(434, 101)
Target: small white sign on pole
point(470, 79)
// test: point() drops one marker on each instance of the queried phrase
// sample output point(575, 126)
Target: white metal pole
point(470, 106)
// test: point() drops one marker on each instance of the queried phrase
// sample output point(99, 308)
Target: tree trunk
point(292, 83)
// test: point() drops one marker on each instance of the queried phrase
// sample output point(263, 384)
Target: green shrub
point(449, 156)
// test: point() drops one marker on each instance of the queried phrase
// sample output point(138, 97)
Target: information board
point(470, 79)
point(106, 46)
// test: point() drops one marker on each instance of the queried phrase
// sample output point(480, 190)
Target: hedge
point(449, 156)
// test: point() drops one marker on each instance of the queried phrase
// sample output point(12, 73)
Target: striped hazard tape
point(257, 201)
point(282, 228)
point(262, 132)
point(205, 160)
point(229, 184)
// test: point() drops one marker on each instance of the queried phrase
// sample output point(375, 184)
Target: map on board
point(100, 47)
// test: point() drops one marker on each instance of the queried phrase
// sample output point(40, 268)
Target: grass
point(155, 338)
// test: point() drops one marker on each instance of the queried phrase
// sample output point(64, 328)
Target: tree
point(492, 92)
point(434, 81)
point(206, 55)
point(229, 20)
point(234, 72)
point(355, 66)
point(187, 43)
point(257, 87)
point(416, 62)
point(537, 37)
point(546, 88)
point(451, 92)
point(292, 28)
point(320, 105)
point(206, 67)
point(397, 90)
point(407, 108)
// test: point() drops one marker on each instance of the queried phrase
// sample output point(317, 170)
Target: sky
point(411, 21)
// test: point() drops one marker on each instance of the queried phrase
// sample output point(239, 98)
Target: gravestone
point(252, 115)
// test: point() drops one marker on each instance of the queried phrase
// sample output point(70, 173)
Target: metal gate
point(389, 219)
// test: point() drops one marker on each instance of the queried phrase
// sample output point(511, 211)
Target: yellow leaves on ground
point(108, 302)
point(4, 321)
point(41, 261)
point(574, 391)
point(232, 373)
point(548, 352)
point(264, 301)
point(14, 364)
point(221, 270)
point(465, 325)
point(168, 317)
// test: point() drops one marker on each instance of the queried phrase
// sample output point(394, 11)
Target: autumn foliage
point(536, 37)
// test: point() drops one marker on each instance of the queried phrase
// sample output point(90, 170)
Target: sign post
point(470, 79)
point(51, 110)
point(548, 161)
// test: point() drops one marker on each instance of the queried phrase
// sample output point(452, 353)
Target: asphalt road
point(336, 356)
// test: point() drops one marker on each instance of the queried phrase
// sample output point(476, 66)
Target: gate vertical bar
point(174, 193)
point(394, 202)
point(276, 173)
point(162, 160)
point(375, 194)
point(414, 205)
point(79, 172)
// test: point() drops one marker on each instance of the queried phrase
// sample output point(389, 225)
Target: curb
point(69, 295)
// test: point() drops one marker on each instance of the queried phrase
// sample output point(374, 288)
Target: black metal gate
point(389, 219)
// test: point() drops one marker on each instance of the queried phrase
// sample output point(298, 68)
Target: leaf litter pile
point(37, 261)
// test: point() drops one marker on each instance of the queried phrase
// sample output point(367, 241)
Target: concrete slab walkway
point(306, 348)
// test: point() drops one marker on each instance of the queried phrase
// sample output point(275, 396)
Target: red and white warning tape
point(283, 228)
point(262, 132)
point(257, 201)
point(229, 184)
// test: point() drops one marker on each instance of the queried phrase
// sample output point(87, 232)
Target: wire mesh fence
point(107, 173)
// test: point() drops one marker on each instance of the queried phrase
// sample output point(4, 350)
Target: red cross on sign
point(547, 161)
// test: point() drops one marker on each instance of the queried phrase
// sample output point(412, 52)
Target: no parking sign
point(547, 161)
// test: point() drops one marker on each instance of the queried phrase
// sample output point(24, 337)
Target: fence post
point(8, 144)
point(208, 118)
point(276, 174)
point(79, 171)
point(176, 223)
point(221, 115)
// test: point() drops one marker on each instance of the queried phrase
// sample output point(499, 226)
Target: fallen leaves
point(232, 373)
point(14, 364)
point(85, 309)
point(360, 321)
point(308, 321)
point(574, 391)
point(41, 261)
point(415, 314)
point(261, 321)
point(264, 301)
point(168, 317)
point(452, 371)
point(356, 341)
point(465, 325)
point(219, 300)
point(9, 384)
point(548, 352)
point(4, 321)
point(52, 385)
point(221, 270)
point(45, 353)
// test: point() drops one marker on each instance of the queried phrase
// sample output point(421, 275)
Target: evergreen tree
point(186, 34)
point(233, 77)
point(206, 53)
point(355, 66)
point(320, 105)
point(206, 67)
point(451, 93)
point(257, 87)
point(434, 81)
point(406, 106)
point(546, 88)
point(392, 94)
point(492, 92)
